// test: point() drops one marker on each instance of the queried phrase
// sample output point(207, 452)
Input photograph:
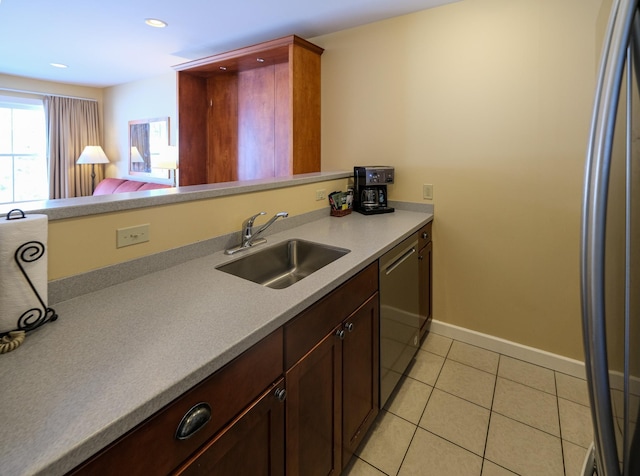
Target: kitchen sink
point(281, 265)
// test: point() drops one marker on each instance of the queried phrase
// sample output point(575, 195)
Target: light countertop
point(116, 356)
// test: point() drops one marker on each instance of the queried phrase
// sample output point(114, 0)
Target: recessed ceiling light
point(154, 22)
point(58, 65)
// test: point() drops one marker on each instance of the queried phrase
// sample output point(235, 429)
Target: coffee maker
point(370, 189)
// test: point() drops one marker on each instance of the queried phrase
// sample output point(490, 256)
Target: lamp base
point(93, 178)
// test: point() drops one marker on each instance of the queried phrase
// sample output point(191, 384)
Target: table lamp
point(167, 159)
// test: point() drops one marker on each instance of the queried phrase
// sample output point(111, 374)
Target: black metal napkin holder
point(29, 252)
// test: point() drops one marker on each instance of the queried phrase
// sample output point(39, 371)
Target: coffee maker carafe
point(370, 189)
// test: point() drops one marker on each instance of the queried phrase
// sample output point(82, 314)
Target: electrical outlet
point(132, 235)
point(321, 194)
point(427, 191)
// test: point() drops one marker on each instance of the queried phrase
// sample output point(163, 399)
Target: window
point(23, 163)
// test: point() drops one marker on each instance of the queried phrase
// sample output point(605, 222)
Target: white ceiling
point(107, 42)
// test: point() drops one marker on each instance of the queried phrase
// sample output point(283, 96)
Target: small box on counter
point(341, 203)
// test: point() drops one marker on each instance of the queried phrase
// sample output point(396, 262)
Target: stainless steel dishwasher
point(399, 313)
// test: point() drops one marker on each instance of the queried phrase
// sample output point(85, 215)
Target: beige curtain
point(72, 124)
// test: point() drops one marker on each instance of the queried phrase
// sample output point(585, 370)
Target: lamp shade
point(135, 155)
point(92, 154)
point(166, 159)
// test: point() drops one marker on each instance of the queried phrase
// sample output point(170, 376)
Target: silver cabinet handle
point(340, 334)
point(425, 235)
point(349, 326)
point(192, 421)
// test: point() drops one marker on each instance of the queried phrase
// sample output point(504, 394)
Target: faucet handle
point(247, 225)
point(249, 221)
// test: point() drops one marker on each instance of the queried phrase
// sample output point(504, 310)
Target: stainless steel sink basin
point(281, 265)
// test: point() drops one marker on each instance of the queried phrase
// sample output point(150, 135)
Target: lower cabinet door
point(313, 411)
point(253, 444)
point(360, 375)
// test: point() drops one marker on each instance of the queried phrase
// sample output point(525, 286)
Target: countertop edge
point(82, 206)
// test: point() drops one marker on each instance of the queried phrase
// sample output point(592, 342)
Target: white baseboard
point(539, 357)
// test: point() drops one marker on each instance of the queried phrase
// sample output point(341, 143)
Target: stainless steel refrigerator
point(610, 251)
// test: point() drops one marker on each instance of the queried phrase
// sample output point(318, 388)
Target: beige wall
point(78, 245)
point(489, 101)
point(26, 87)
point(40, 88)
point(145, 99)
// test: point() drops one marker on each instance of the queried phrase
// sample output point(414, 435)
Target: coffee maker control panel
point(380, 175)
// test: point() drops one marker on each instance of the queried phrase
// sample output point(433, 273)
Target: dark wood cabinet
point(425, 263)
point(360, 375)
point(314, 400)
point(252, 444)
point(250, 113)
point(332, 377)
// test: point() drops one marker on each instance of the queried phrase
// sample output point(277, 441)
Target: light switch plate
point(427, 191)
point(321, 194)
point(132, 235)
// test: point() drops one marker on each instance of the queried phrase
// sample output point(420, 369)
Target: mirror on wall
point(148, 138)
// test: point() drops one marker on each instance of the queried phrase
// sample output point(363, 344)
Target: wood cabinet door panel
point(306, 330)
point(253, 444)
point(283, 159)
point(305, 137)
point(256, 123)
point(222, 130)
point(192, 97)
point(360, 375)
point(313, 437)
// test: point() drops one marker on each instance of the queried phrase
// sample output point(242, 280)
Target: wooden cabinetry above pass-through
point(250, 113)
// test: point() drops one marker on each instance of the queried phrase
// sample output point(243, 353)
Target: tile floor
point(463, 410)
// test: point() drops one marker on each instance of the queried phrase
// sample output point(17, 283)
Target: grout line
point(530, 426)
point(453, 443)
point(493, 398)
point(417, 425)
point(555, 383)
point(529, 386)
point(510, 471)
point(415, 430)
point(369, 464)
point(573, 401)
point(462, 398)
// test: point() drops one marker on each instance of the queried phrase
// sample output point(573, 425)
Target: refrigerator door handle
point(594, 208)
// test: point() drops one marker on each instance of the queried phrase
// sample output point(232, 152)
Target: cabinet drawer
point(307, 329)
point(253, 444)
point(152, 447)
point(424, 235)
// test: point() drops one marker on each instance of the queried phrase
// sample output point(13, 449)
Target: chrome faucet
point(249, 236)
